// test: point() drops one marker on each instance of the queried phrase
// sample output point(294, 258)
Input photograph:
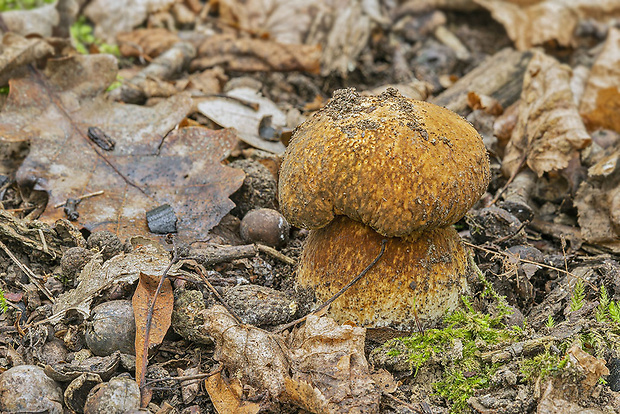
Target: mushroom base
point(424, 276)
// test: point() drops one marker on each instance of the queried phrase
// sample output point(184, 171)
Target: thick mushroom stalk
point(425, 276)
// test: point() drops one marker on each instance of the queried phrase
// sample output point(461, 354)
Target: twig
point(340, 292)
point(592, 285)
point(31, 275)
point(276, 254)
point(405, 404)
point(512, 177)
point(96, 193)
point(217, 295)
point(215, 371)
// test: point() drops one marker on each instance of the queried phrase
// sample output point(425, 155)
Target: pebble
point(112, 328)
point(26, 388)
point(265, 226)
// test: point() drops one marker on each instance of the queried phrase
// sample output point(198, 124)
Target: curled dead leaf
point(321, 367)
point(537, 22)
point(600, 104)
point(549, 131)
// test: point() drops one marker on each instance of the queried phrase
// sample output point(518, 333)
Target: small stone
point(26, 388)
point(106, 242)
point(114, 397)
point(54, 352)
point(265, 226)
point(112, 328)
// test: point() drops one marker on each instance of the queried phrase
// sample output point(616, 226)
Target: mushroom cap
point(396, 164)
point(427, 275)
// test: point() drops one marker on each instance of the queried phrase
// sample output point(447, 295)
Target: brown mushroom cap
point(395, 164)
point(427, 275)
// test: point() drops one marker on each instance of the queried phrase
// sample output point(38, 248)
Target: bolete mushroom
point(396, 168)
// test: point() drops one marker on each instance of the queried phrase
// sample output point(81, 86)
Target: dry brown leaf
point(253, 55)
point(18, 51)
point(117, 16)
point(549, 130)
point(536, 22)
point(321, 368)
point(146, 42)
point(285, 21)
point(600, 104)
point(123, 269)
point(161, 316)
point(593, 367)
point(226, 398)
point(148, 167)
point(487, 103)
point(598, 202)
point(235, 113)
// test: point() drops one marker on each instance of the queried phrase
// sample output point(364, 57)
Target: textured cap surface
point(427, 275)
point(395, 164)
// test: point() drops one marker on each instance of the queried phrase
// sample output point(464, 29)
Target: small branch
point(340, 292)
point(592, 285)
point(276, 254)
point(96, 193)
point(31, 275)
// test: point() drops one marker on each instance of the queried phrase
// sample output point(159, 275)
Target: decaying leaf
point(39, 21)
point(285, 21)
point(536, 22)
point(600, 104)
point(226, 396)
point(149, 166)
point(161, 316)
point(117, 16)
point(235, 113)
point(253, 55)
point(148, 257)
point(320, 368)
point(549, 131)
point(598, 202)
point(18, 51)
point(593, 367)
point(150, 42)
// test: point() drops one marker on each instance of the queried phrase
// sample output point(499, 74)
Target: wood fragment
point(276, 254)
point(499, 76)
point(214, 254)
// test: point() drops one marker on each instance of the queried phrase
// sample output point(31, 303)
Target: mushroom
point(365, 168)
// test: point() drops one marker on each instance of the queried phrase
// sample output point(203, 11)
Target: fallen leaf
point(233, 113)
point(142, 299)
point(549, 131)
point(39, 21)
point(600, 104)
point(117, 16)
point(149, 257)
point(254, 55)
point(146, 42)
point(149, 166)
point(226, 398)
point(320, 368)
point(18, 51)
point(594, 367)
point(285, 21)
point(537, 22)
point(598, 202)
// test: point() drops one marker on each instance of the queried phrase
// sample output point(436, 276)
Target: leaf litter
point(555, 147)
